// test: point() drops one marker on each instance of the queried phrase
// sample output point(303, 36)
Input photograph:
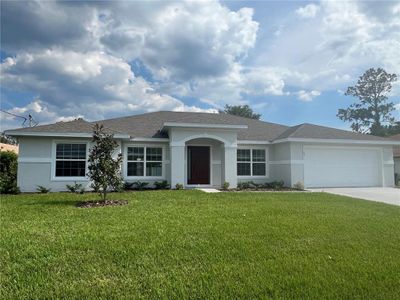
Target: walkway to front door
point(198, 164)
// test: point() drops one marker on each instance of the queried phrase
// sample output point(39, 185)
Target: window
point(70, 160)
point(251, 162)
point(144, 161)
point(243, 162)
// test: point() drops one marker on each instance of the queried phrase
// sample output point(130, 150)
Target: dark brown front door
point(198, 165)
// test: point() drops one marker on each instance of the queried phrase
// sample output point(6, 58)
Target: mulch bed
point(101, 203)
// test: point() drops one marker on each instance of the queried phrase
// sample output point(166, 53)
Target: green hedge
point(8, 172)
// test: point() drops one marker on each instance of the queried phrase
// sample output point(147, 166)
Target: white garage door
point(341, 167)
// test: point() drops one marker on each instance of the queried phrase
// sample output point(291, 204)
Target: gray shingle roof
point(311, 131)
point(150, 125)
point(75, 126)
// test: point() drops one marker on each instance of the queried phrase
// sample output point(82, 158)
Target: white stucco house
point(206, 150)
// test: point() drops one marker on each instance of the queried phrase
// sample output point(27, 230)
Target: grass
point(189, 244)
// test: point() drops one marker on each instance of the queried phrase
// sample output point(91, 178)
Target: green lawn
point(189, 244)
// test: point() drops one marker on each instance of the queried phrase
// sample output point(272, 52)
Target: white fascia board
point(61, 134)
point(140, 139)
point(199, 125)
point(337, 141)
point(249, 142)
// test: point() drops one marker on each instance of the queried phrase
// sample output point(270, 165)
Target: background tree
point(372, 113)
point(104, 170)
point(7, 139)
point(241, 111)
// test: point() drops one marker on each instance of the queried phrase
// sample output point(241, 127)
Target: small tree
point(241, 111)
point(372, 110)
point(104, 170)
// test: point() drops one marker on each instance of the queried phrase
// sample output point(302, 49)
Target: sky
point(290, 61)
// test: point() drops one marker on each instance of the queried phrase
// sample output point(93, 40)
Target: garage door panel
point(341, 167)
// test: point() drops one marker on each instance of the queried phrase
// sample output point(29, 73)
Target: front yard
point(189, 244)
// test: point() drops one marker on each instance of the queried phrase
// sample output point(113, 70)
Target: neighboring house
point(8, 147)
point(201, 149)
point(396, 158)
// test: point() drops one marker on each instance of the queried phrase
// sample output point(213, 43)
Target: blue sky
point(291, 61)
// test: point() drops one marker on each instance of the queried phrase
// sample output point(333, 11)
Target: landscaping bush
point(75, 188)
point(43, 190)
point(244, 185)
point(179, 186)
point(128, 185)
point(8, 172)
point(140, 185)
point(277, 185)
point(161, 185)
point(225, 186)
point(299, 186)
point(255, 185)
point(274, 185)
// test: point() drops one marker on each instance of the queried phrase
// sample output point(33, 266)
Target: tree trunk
point(104, 193)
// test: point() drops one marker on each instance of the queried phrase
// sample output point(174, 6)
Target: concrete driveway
point(378, 194)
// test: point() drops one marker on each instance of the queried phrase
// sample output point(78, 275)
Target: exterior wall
point(285, 161)
point(280, 162)
point(36, 164)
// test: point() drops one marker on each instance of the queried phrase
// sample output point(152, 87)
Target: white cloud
point(308, 11)
point(307, 96)
point(336, 46)
point(94, 85)
point(75, 56)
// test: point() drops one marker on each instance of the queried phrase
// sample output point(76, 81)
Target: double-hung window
point(251, 162)
point(70, 160)
point(144, 161)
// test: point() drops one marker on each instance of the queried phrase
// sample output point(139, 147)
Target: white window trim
point(144, 177)
point(251, 176)
point(54, 159)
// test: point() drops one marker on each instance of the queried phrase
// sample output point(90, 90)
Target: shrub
point(8, 172)
point(244, 185)
point(225, 186)
point(128, 185)
point(43, 190)
point(75, 188)
point(140, 185)
point(161, 185)
point(277, 185)
point(299, 186)
point(255, 185)
point(179, 186)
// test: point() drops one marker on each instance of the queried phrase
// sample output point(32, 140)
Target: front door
point(198, 164)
